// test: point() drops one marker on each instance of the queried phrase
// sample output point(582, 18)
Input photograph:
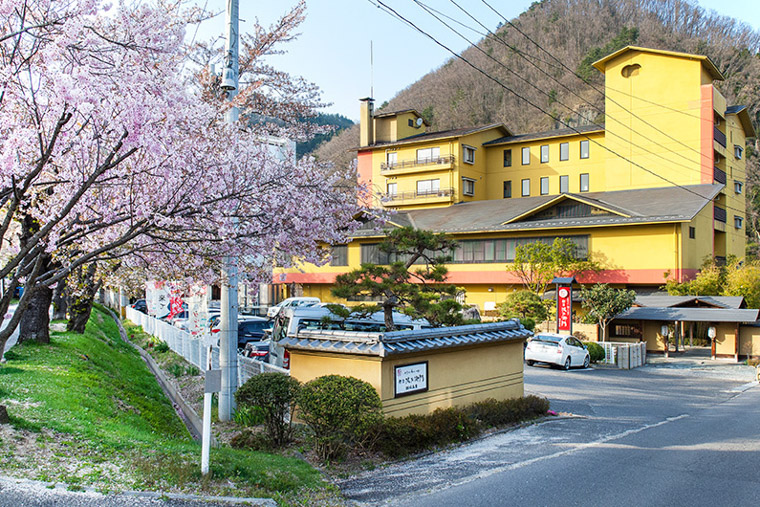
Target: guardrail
point(193, 349)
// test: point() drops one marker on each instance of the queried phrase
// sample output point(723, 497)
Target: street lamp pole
point(229, 304)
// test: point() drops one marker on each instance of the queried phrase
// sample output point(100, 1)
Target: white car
point(558, 349)
point(291, 303)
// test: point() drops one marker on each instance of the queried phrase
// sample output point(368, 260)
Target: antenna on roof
point(371, 71)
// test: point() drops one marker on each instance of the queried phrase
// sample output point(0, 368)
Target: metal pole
point(229, 310)
point(206, 437)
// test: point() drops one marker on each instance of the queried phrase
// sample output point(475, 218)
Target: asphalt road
point(652, 436)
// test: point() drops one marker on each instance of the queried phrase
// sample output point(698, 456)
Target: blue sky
point(334, 46)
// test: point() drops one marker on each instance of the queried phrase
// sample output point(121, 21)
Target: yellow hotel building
point(657, 188)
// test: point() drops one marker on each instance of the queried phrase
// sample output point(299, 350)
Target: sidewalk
point(697, 361)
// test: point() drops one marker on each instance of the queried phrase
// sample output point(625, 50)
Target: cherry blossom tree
point(111, 151)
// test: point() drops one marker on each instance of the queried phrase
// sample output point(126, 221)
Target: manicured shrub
point(275, 394)
point(400, 436)
point(492, 413)
point(595, 351)
point(341, 411)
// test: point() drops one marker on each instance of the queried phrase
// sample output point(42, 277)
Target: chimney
point(366, 127)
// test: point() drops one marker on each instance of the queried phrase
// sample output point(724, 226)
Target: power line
point(535, 87)
point(392, 12)
point(594, 87)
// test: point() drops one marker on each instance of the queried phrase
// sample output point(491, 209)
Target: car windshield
point(552, 340)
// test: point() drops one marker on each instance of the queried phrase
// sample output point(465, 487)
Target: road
point(652, 436)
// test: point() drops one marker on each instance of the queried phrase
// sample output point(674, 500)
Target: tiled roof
point(673, 301)
point(689, 314)
point(734, 109)
point(547, 134)
point(443, 134)
point(664, 204)
point(404, 342)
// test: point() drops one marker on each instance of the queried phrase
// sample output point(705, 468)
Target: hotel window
point(584, 182)
point(544, 153)
point(525, 187)
point(738, 222)
point(507, 158)
point(391, 158)
point(544, 186)
point(428, 155)
point(564, 151)
point(692, 233)
point(468, 186)
point(564, 184)
point(428, 187)
point(738, 150)
point(526, 156)
point(339, 255)
point(584, 149)
point(507, 189)
point(468, 154)
point(392, 189)
point(738, 185)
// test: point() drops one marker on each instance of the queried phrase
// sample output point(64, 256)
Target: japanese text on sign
point(411, 378)
point(564, 309)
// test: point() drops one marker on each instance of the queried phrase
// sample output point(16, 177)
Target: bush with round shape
point(275, 394)
point(595, 351)
point(341, 411)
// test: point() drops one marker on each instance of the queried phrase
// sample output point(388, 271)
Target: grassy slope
point(92, 414)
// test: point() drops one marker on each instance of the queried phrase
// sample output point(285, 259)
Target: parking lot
point(644, 436)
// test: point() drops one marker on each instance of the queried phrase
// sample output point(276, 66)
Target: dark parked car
point(250, 329)
point(257, 350)
point(140, 305)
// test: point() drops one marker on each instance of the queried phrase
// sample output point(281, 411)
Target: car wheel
point(530, 363)
point(567, 363)
point(586, 361)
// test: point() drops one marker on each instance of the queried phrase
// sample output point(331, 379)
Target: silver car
point(557, 349)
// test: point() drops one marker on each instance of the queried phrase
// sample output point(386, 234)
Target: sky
point(333, 49)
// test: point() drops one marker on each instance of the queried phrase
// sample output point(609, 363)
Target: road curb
point(90, 491)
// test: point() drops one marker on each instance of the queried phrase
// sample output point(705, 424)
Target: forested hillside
point(548, 64)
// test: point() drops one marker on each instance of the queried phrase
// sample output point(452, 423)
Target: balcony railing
point(719, 136)
point(719, 214)
point(409, 196)
point(417, 162)
point(719, 175)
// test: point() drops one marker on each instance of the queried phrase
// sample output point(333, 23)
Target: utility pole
point(229, 305)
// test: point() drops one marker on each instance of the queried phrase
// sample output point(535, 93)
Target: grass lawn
point(85, 410)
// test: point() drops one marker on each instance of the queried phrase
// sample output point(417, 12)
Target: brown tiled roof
point(547, 134)
point(664, 204)
point(443, 134)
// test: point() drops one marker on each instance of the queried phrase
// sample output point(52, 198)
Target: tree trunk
point(80, 305)
point(60, 301)
point(35, 322)
point(388, 312)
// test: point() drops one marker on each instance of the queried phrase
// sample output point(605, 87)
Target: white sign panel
point(411, 378)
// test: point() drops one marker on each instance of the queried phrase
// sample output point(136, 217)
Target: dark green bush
point(161, 347)
point(595, 351)
point(341, 411)
point(492, 413)
point(275, 394)
point(399, 436)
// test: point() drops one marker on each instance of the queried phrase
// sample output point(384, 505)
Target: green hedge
point(595, 351)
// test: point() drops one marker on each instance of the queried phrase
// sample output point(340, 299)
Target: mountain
point(545, 59)
point(336, 121)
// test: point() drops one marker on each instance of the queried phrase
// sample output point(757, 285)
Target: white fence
point(624, 355)
point(193, 350)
